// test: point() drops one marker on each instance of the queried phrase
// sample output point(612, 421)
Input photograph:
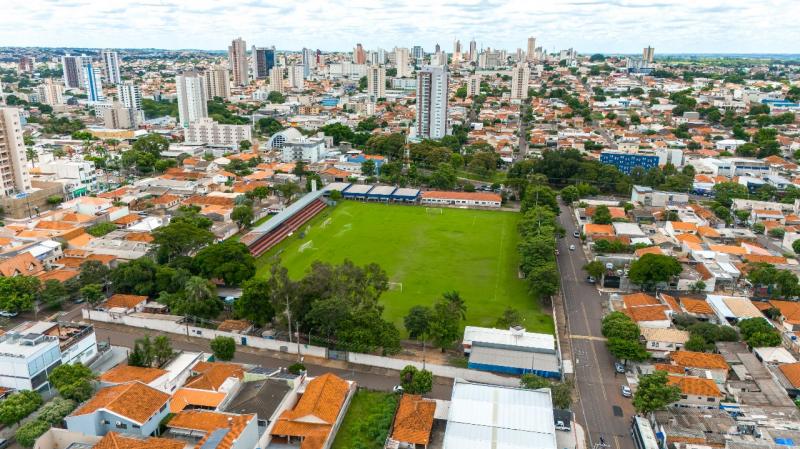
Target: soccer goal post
point(326, 223)
point(434, 210)
point(305, 246)
point(396, 286)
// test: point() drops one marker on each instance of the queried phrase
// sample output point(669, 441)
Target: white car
point(626, 391)
point(397, 389)
point(7, 314)
point(572, 247)
point(561, 426)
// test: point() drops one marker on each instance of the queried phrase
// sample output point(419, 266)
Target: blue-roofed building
point(329, 102)
point(626, 162)
point(511, 351)
point(361, 158)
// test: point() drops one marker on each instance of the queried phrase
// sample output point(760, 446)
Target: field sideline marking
point(499, 261)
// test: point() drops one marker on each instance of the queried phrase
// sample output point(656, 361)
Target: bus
point(643, 435)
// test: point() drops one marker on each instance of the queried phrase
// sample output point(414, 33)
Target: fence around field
point(175, 325)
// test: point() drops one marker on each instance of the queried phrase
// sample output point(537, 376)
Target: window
point(710, 399)
point(105, 422)
point(136, 426)
point(683, 396)
point(121, 425)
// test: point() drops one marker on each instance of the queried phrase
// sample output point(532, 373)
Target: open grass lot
point(427, 250)
point(367, 421)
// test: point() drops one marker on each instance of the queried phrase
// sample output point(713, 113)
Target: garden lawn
point(367, 421)
point(425, 252)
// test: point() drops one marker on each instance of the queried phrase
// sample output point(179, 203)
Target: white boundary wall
point(169, 323)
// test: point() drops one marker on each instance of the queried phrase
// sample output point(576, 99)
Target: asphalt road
point(601, 408)
point(125, 336)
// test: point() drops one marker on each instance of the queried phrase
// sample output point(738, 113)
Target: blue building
point(110, 410)
point(511, 351)
point(361, 158)
point(329, 102)
point(626, 162)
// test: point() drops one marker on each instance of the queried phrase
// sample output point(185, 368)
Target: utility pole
point(289, 320)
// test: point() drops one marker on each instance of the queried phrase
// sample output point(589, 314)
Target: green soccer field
point(425, 252)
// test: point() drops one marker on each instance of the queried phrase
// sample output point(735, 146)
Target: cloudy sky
point(609, 26)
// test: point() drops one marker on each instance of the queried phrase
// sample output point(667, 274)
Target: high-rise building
point(26, 64)
point(437, 48)
point(263, 61)
point(473, 51)
point(14, 176)
point(531, 53)
point(417, 53)
point(93, 82)
point(50, 92)
point(191, 98)
point(217, 83)
point(209, 132)
point(456, 50)
point(237, 61)
point(648, 54)
point(130, 95)
point(432, 102)
point(439, 58)
point(309, 61)
point(473, 85)
point(520, 78)
point(359, 56)
point(73, 71)
point(111, 67)
point(276, 79)
point(296, 79)
point(376, 82)
point(120, 117)
point(402, 62)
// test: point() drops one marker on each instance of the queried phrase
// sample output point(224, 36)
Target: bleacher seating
point(275, 236)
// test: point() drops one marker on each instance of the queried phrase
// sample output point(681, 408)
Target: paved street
point(601, 408)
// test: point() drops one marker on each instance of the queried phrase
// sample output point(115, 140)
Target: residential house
point(713, 363)
point(413, 422)
point(209, 385)
point(207, 429)
point(661, 342)
point(131, 408)
point(121, 374)
point(696, 392)
point(114, 440)
point(121, 303)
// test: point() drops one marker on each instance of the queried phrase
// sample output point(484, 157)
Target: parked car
point(572, 247)
point(3, 443)
point(576, 234)
point(8, 314)
point(561, 426)
point(619, 367)
point(398, 389)
point(590, 279)
point(626, 391)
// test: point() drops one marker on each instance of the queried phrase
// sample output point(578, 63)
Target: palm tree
point(32, 155)
point(198, 289)
point(457, 304)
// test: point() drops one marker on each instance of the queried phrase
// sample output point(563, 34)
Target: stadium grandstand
point(283, 224)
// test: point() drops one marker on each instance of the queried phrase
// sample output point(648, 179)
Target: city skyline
point(609, 26)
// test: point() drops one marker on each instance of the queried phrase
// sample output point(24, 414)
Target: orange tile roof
point(672, 369)
point(58, 274)
point(671, 302)
point(702, 360)
point(683, 226)
point(757, 258)
point(594, 229)
point(647, 313)
point(639, 299)
point(23, 264)
point(127, 219)
point(187, 396)
point(414, 420)
point(707, 231)
point(208, 422)
point(790, 310)
point(211, 375)
point(792, 373)
point(695, 386)
point(648, 250)
point(126, 301)
point(728, 249)
point(125, 373)
point(113, 440)
point(699, 306)
point(688, 238)
point(145, 237)
point(135, 401)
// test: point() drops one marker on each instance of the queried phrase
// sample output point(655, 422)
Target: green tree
point(726, 192)
point(245, 145)
point(269, 125)
point(153, 144)
point(242, 215)
point(570, 194)
point(654, 393)
point(461, 92)
point(223, 348)
point(180, 238)
point(445, 325)
point(255, 304)
point(510, 317)
point(561, 391)
point(53, 293)
point(229, 260)
point(796, 246)
point(17, 293)
point(73, 381)
point(199, 300)
point(276, 97)
point(627, 350)
point(539, 195)
point(621, 326)
point(595, 269)
point(758, 332)
point(418, 322)
point(698, 344)
point(602, 215)
point(444, 177)
point(368, 167)
point(92, 293)
point(651, 269)
point(415, 381)
point(162, 350)
point(18, 405)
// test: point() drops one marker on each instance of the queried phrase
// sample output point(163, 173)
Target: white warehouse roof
point(508, 338)
point(496, 417)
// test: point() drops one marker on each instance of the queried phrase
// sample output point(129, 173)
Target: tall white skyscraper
point(473, 85)
point(401, 58)
point(130, 95)
point(309, 61)
point(531, 53)
point(296, 79)
point(439, 58)
point(520, 78)
point(432, 102)
point(276, 79)
point(473, 51)
point(191, 98)
point(237, 60)
point(217, 83)
point(50, 92)
point(376, 82)
point(14, 176)
point(93, 82)
point(73, 70)
point(111, 67)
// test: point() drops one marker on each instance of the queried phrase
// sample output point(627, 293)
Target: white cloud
point(671, 26)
